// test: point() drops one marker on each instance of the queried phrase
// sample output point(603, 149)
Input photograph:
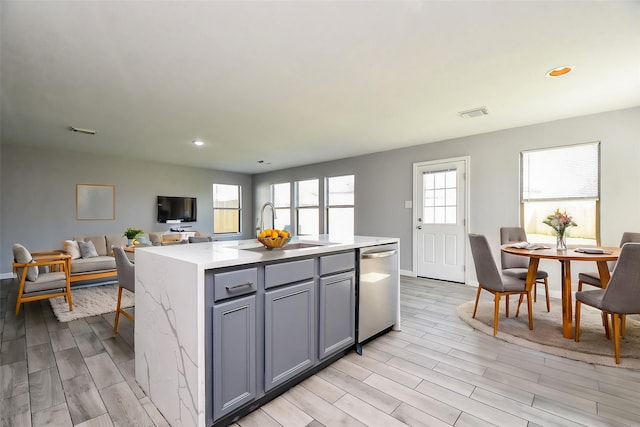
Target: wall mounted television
point(183, 209)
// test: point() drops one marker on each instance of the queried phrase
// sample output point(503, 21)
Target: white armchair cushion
point(23, 256)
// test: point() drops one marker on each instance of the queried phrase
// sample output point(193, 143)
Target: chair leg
point(535, 291)
point(623, 326)
point(477, 299)
point(529, 307)
point(577, 332)
point(616, 336)
point(546, 292)
point(115, 323)
point(506, 310)
point(605, 324)
point(518, 307)
point(496, 309)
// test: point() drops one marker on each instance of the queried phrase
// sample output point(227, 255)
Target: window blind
point(571, 172)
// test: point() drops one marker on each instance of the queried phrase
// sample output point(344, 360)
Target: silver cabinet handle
point(241, 285)
point(381, 254)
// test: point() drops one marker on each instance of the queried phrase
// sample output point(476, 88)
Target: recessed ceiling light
point(560, 71)
point(198, 142)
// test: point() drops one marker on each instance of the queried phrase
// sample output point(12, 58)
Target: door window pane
point(440, 197)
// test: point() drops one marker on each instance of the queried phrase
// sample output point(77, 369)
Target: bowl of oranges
point(273, 239)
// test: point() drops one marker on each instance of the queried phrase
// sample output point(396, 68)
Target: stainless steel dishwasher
point(378, 291)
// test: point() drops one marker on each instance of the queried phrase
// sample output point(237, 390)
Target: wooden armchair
point(36, 283)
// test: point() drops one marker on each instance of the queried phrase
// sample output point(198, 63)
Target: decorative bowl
point(274, 242)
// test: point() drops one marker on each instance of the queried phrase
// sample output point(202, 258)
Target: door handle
point(419, 227)
point(381, 254)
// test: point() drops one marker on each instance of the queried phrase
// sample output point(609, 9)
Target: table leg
point(532, 272)
point(567, 327)
point(530, 281)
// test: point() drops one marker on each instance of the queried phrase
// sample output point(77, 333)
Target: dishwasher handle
point(381, 254)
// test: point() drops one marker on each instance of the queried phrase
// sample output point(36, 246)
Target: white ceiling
point(293, 83)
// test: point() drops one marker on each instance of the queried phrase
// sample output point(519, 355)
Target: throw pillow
point(23, 256)
point(87, 250)
point(71, 247)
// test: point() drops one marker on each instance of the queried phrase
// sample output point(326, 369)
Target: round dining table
point(565, 257)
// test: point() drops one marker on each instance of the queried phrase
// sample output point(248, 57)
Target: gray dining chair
point(621, 296)
point(517, 266)
point(126, 280)
point(592, 278)
point(490, 279)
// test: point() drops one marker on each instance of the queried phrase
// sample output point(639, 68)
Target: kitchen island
point(222, 327)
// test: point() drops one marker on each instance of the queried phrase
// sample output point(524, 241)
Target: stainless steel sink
point(299, 245)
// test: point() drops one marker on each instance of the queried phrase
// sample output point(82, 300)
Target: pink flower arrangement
point(559, 221)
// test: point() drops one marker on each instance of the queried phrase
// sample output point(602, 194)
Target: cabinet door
point(337, 329)
point(289, 332)
point(234, 354)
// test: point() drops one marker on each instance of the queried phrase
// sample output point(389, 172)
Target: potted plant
point(131, 233)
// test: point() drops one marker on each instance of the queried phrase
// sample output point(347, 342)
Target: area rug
point(91, 301)
point(547, 332)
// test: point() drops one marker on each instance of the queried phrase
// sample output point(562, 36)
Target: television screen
point(181, 209)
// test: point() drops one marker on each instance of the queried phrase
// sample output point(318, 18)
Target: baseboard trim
point(407, 273)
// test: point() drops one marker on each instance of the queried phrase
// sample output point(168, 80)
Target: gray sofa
point(94, 269)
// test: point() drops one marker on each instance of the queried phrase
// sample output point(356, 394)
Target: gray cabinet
point(337, 308)
point(337, 303)
point(234, 354)
point(289, 332)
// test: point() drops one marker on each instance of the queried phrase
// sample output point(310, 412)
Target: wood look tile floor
point(436, 372)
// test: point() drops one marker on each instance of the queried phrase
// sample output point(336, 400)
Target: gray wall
point(38, 206)
point(384, 180)
point(38, 186)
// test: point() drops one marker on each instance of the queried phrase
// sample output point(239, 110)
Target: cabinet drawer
point(287, 272)
point(338, 262)
point(234, 283)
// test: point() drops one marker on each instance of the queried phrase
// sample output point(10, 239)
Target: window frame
point(328, 206)
point(238, 209)
point(299, 207)
point(595, 198)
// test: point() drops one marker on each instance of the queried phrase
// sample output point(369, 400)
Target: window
point(227, 208)
point(565, 178)
point(340, 204)
point(281, 199)
point(307, 207)
point(440, 197)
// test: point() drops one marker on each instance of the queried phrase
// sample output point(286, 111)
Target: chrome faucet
point(273, 217)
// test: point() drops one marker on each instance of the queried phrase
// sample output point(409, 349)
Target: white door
point(440, 219)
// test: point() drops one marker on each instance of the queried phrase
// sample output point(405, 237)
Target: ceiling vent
point(476, 112)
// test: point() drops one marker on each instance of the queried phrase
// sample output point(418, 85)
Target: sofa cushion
point(118, 240)
point(100, 243)
point(47, 282)
point(84, 265)
point(71, 247)
point(87, 249)
point(23, 256)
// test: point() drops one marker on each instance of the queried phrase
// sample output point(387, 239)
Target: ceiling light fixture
point(80, 130)
point(560, 71)
point(198, 142)
point(476, 112)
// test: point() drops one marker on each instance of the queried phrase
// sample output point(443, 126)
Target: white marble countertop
point(238, 252)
